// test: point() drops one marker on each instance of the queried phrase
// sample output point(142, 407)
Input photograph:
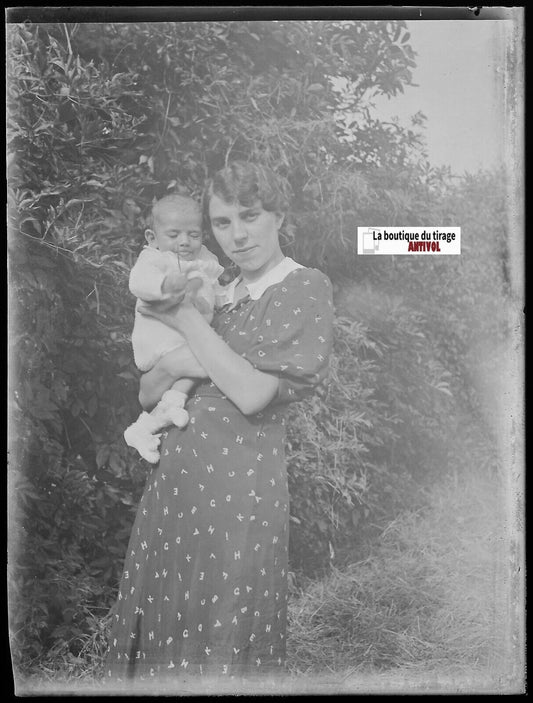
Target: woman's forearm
point(251, 390)
point(179, 363)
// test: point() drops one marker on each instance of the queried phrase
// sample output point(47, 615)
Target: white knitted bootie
point(170, 410)
point(141, 436)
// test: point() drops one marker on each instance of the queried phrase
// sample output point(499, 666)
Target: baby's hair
point(174, 201)
point(244, 182)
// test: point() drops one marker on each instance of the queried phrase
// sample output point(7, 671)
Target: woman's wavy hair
point(245, 182)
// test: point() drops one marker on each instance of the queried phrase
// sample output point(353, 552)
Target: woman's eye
point(249, 216)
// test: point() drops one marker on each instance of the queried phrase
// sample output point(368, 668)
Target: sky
point(460, 75)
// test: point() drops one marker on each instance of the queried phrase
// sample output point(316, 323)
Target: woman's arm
point(180, 363)
point(251, 390)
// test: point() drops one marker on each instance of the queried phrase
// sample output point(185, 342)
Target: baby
point(173, 256)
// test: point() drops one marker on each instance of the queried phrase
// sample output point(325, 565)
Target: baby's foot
point(148, 449)
point(170, 408)
point(178, 416)
point(144, 442)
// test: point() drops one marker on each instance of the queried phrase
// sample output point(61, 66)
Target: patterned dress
point(204, 588)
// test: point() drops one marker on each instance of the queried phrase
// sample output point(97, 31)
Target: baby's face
point(179, 232)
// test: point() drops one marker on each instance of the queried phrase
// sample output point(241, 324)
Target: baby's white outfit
point(152, 339)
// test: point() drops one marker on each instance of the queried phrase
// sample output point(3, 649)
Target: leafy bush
point(411, 390)
point(72, 481)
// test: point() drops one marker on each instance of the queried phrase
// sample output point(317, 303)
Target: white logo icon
point(370, 245)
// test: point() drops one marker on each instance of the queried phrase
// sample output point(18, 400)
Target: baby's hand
point(212, 270)
point(174, 283)
point(178, 296)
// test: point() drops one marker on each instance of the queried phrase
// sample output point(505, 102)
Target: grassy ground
point(434, 608)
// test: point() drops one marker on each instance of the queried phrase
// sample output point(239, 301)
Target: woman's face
point(248, 234)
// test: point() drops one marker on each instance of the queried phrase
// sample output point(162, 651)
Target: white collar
point(257, 288)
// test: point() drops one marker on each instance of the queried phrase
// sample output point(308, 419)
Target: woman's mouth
point(244, 250)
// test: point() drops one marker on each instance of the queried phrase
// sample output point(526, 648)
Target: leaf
point(43, 412)
point(116, 465)
point(396, 52)
point(102, 456)
point(92, 406)
point(77, 201)
point(444, 388)
point(35, 223)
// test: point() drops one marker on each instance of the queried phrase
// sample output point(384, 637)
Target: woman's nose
point(239, 230)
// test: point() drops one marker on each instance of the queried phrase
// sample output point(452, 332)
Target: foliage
point(419, 345)
point(104, 118)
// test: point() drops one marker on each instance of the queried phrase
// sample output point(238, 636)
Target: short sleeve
point(147, 276)
point(295, 333)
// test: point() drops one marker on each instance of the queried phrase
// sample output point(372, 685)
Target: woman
point(204, 589)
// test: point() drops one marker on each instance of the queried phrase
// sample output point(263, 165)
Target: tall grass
point(434, 599)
